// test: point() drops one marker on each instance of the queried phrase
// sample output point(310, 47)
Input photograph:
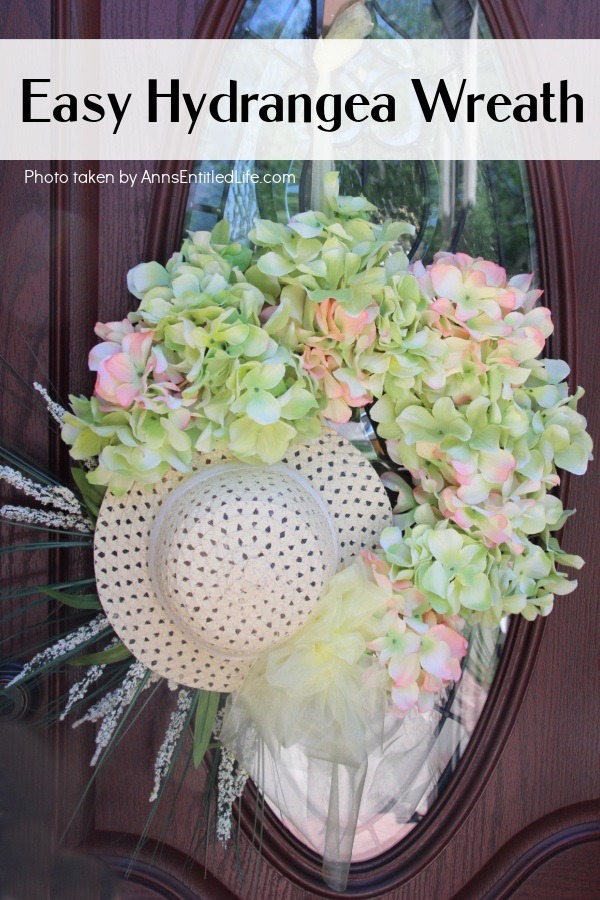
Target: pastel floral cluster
point(486, 440)
point(190, 369)
point(421, 648)
point(482, 445)
point(421, 655)
point(250, 350)
point(346, 304)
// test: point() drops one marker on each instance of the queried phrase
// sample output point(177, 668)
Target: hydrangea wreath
point(252, 350)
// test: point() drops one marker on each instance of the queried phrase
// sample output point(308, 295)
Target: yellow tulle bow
point(320, 689)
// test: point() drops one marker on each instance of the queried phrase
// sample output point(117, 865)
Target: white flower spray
point(55, 409)
point(60, 498)
point(27, 515)
point(177, 723)
point(230, 786)
point(112, 706)
point(57, 412)
point(80, 689)
point(64, 646)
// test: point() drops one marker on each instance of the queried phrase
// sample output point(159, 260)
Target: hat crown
point(240, 554)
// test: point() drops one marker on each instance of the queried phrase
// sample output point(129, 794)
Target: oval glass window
point(481, 208)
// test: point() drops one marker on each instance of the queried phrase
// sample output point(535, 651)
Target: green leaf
point(395, 263)
point(91, 494)
point(206, 713)
point(118, 653)
point(240, 258)
point(43, 545)
point(77, 601)
point(343, 295)
point(263, 408)
point(268, 233)
point(275, 264)
point(220, 233)
point(28, 590)
point(86, 444)
point(19, 461)
point(265, 283)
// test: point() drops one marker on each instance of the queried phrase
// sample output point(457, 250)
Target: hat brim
point(346, 481)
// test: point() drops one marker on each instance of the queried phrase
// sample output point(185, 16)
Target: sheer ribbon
point(310, 723)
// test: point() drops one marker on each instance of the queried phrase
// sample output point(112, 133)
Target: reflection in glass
point(480, 208)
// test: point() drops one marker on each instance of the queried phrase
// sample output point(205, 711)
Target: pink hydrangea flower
point(114, 331)
point(334, 323)
point(406, 598)
point(343, 388)
point(472, 297)
point(490, 520)
point(319, 363)
point(421, 656)
point(133, 372)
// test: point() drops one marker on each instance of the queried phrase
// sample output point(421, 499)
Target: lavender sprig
point(177, 722)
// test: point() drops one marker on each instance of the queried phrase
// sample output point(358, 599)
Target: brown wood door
point(520, 816)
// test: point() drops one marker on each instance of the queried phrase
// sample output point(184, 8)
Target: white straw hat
point(202, 573)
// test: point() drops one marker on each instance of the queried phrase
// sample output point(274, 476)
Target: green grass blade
point(44, 545)
point(92, 495)
point(29, 590)
point(168, 818)
point(128, 719)
point(206, 713)
point(77, 601)
point(112, 655)
point(17, 460)
point(156, 803)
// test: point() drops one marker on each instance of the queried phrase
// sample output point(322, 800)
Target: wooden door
point(520, 815)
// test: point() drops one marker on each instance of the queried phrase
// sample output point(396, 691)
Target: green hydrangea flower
point(249, 349)
point(457, 574)
point(333, 255)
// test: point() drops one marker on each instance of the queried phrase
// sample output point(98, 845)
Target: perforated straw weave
point(203, 572)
